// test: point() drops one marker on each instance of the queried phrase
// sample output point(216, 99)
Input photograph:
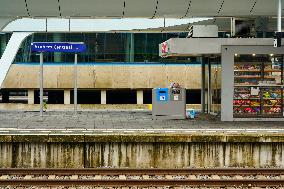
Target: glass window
point(102, 47)
point(258, 90)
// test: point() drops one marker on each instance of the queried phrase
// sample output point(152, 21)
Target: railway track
point(143, 177)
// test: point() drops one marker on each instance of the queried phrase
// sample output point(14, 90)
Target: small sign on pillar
point(277, 39)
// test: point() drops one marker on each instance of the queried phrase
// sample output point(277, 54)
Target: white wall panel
point(57, 25)
point(10, 53)
point(26, 24)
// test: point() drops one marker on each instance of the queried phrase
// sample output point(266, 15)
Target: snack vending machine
point(169, 103)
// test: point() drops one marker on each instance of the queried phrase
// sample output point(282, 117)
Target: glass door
point(258, 86)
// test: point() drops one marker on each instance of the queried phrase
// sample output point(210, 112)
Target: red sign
point(164, 48)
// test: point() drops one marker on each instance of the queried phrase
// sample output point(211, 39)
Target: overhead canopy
point(136, 8)
point(202, 46)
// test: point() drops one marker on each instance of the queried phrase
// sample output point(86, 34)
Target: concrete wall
point(142, 151)
point(26, 77)
point(84, 107)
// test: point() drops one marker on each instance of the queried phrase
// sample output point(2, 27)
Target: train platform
point(126, 122)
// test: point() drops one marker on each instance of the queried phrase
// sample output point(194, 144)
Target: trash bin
point(169, 103)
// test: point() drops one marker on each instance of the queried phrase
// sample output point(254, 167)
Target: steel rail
point(131, 171)
point(89, 182)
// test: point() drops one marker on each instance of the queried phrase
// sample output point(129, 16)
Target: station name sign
point(58, 47)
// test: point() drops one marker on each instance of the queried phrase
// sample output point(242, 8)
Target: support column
point(31, 96)
point(5, 96)
point(209, 97)
point(279, 27)
point(67, 94)
point(139, 96)
point(130, 47)
point(103, 96)
point(203, 103)
point(57, 55)
point(233, 26)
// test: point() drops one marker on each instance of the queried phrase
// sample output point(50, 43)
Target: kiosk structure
point(252, 75)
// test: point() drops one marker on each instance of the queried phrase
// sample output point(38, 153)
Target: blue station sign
point(58, 47)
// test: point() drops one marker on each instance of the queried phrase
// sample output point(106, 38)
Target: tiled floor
point(119, 120)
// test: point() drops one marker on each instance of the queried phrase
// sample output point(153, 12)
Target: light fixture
point(253, 54)
point(236, 54)
point(271, 54)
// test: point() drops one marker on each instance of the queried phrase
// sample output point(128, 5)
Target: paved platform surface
point(123, 122)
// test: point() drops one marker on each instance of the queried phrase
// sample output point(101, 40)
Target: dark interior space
point(52, 96)
point(87, 97)
point(147, 96)
point(124, 96)
point(55, 97)
point(193, 96)
point(14, 96)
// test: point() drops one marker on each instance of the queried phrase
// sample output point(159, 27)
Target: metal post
point(202, 85)
point(233, 26)
point(209, 94)
point(41, 83)
point(75, 83)
point(279, 16)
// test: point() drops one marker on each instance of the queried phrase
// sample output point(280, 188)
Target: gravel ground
point(138, 177)
point(166, 187)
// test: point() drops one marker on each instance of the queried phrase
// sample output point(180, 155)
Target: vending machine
point(169, 103)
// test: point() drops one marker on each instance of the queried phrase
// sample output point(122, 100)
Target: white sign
point(175, 97)
point(162, 98)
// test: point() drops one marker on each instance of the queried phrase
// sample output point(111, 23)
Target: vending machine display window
point(258, 86)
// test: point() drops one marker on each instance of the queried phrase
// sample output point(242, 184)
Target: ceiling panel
point(265, 7)
point(177, 8)
point(95, 8)
point(136, 8)
point(233, 7)
point(13, 8)
point(43, 7)
point(205, 7)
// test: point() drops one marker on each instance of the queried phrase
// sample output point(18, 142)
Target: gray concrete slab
point(123, 121)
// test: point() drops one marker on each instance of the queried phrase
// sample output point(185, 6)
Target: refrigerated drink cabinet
point(169, 103)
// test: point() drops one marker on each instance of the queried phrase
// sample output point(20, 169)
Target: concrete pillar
point(139, 96)
point(103, 96)
point(233, 26)
point(67, 96)
point(130, 47)
point(5, 96)
point(57, 37)
point(31, 97)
